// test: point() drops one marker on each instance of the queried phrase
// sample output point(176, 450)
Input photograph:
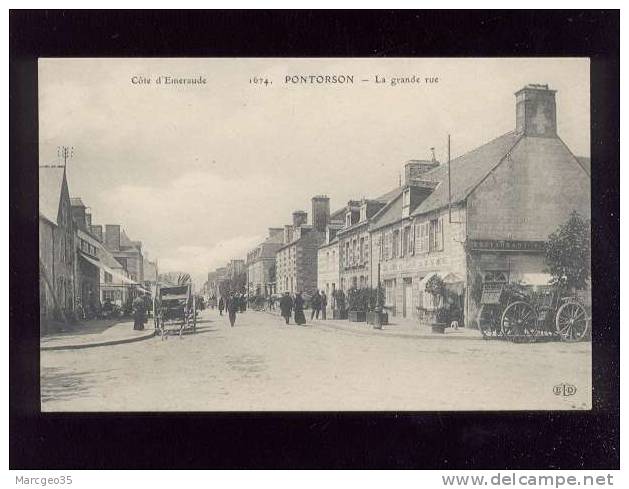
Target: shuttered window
point(422, 237)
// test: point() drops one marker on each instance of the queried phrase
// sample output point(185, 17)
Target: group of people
point(288, 306)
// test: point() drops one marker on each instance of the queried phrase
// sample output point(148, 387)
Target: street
point(263, 365)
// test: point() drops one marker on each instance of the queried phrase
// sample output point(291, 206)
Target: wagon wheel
point(489, 320)
point(518, 320)
point(572, 322)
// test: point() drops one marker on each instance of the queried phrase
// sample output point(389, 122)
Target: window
point(421, 237)
point(495, 276)
point(395, 245)
point(406, 202)
point(406, 239)
point(348, 219)
point(108, 278)
point(436, 235)
point(347, 258)
point(363, 213)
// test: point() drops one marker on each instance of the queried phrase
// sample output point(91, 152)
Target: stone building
point(328, 257)
point(87, 271)
point(56, 245)
point(261, 264)
point(296, 260)
point(490, 223)
point(354, 241)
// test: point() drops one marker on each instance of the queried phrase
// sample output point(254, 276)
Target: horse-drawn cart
point(530, 312)
point(174, 310)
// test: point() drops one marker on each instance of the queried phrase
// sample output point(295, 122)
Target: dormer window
point(406, 202)
point(348, 219)
point(363, 213)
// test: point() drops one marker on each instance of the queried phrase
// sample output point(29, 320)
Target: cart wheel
point(518, 320)
point(572, 322)
point(489, 320)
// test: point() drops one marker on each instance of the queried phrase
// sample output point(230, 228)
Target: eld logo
point(564, 390)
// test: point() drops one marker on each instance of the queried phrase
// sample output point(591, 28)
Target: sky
point(199, 172)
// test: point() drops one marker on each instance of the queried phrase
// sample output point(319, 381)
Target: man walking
point(286, 307)
point(232, 308)
point(221, 306)
point(324, 304)
point(315, 304)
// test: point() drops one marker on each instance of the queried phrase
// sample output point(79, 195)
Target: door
point(407, 310)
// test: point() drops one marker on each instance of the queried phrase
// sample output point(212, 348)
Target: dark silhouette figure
point(221, 306)
point(299, 309)
point(315, 304)
point(286, 307)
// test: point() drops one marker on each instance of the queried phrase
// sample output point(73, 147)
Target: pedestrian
point(271, 303)
point(315, 304)
point(286, 307)
point(233, 307)
point(221, 306)
point(139, 311)
point(242, 302)
point(324, 304)
point(299, 309)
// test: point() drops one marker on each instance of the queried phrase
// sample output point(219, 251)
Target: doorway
point(407, 304)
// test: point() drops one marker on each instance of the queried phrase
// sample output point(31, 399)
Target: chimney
point(535, 111)
point(414, 169)
point(300, 218)
point(112, 236)
point(97, 230)
point(288, 233)
point(275, 231)
point(320, 212)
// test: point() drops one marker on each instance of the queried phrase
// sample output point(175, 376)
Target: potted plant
point(376, 315)
point(437, 315)
point(357, 300)
point(339, 308)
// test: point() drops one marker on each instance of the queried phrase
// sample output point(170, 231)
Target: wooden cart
point(174, 310)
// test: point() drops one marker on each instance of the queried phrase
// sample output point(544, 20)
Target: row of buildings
point(481, 218)
point(82, 263)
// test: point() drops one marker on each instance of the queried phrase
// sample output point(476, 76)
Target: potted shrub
point(437, 316)
point(339, 308)
point(376, 315)
point(357, 300)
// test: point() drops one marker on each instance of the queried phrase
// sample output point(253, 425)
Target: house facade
point(297, 259)
point(261, 264)
point(488, 220)
point(56, 245)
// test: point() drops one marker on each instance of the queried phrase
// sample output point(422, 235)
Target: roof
point(50, 186)
point(76, 202)
point(466, 172)
point(390, 195)
point(389, 214)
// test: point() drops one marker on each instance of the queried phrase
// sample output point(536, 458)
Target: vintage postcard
point(250, 234)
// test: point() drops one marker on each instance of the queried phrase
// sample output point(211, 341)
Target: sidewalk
point(95, 333)
point(398, 327)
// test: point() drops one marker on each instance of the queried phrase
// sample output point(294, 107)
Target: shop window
point(495, 277)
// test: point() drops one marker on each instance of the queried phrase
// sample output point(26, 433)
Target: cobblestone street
point(261, 364)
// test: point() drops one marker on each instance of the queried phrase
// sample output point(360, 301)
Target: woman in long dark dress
point(299, 309)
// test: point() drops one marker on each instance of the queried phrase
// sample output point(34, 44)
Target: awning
point(535, 278)
point(117, 275)
point(453, 278)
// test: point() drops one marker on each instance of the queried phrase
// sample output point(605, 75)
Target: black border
point(531, 440)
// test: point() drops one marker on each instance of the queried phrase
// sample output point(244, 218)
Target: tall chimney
point(112, 236)
point(300, 218)
point(275, 231)
point(536, 111)
point(97, 230)
point(288, 233)
point(320, 212)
